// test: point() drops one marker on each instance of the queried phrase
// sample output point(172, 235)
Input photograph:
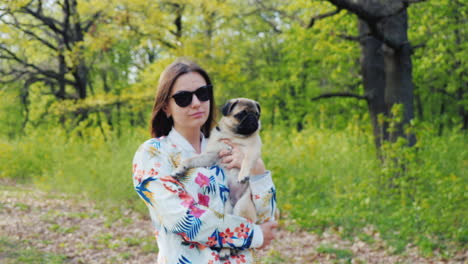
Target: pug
point(240, 124)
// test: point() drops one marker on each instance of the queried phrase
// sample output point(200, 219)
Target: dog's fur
point(240, 124)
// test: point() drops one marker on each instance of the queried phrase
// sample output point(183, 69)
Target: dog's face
point(242, 116)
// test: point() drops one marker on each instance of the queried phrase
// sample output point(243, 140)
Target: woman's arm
point(179, 213)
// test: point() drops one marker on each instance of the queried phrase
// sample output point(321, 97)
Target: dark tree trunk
point(81, 71)
point(398, 73)
point(81, 77)
point(373, 75)
point(385, 63)
point(61, 76)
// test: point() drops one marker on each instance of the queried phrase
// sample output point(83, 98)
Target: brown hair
point(160, 124)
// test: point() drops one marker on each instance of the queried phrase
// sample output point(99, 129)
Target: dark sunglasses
point(184, 98)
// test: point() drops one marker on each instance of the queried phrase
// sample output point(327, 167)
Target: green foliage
point(439, 65)
point(11, 112)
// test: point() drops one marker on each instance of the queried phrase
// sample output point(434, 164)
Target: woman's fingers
point(224, 152)
point(227, 159)
point(228, 142)
point(232, 156)
point(269, 233)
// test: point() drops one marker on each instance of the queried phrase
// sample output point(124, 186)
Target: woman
point(188, 214)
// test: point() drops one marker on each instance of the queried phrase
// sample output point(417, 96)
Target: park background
point(364, 103)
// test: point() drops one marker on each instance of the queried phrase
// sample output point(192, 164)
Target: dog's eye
point(241, 114)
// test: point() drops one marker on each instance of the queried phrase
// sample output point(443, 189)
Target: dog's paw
point(243, 180)
point(224, 254)
point(179, 172)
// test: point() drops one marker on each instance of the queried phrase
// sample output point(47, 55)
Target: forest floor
point(42, 227)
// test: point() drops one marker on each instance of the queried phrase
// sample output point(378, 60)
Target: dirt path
point(40, 227)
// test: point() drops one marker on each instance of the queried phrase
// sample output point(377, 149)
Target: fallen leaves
point(74, 228)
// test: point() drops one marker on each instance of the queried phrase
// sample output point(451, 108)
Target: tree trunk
point(398, 74)
point(61, 78)
point(373, 75)
point(387, 78)
point(80, 72)
point(384, 25)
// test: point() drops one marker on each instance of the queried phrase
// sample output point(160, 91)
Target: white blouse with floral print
point(187, 215)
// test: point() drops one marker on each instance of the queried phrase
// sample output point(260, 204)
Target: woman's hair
point(161, 125)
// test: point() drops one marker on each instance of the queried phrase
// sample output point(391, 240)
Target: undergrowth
point(325, 178)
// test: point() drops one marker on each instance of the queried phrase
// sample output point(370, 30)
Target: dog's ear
point(228, 107)
point(259, 108)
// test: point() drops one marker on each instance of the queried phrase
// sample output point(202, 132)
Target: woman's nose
point(195, 101)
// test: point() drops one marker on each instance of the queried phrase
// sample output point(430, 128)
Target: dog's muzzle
point(248, 125)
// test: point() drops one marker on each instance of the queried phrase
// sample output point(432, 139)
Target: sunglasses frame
point(186, 94)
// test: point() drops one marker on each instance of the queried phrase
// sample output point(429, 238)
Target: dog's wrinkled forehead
point(246, 105)
point(234, 106)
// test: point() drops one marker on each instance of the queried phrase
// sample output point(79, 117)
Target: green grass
point(273, 257)
point(339, 253)
point(16, 252)
point(332, 178)
point(325, 178)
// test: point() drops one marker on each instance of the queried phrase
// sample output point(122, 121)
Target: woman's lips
point(197, 114)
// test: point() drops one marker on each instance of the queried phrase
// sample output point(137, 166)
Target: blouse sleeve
point(264, 196)
point(179, 213)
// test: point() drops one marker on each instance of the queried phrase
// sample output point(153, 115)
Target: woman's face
point(193, 116)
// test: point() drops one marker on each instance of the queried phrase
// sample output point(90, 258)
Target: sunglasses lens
point(183, 99)
point(203, 94)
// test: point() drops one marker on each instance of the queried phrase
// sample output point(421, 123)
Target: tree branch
point(339, 94)
point(374, 14)
point(321, 16)
point(272, 24)
point(18, 25)
point(48, 21)
point(263, 7)
point(413, 48)
point(409, 2)
point(48, 73)
point(91, 21)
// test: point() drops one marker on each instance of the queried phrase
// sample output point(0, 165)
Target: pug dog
point(240, 125)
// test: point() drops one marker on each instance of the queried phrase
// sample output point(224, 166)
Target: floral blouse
point(188, 215)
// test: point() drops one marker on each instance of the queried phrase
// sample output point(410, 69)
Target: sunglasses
point(184, 98)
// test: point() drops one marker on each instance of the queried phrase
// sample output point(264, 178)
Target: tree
point(386, 62)
point(55, 29)
point(386, 66)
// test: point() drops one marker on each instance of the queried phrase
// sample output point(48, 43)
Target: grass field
point(325, 179)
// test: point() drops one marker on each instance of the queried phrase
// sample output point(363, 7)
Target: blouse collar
point(183, 143)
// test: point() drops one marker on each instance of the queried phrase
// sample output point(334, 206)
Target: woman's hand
point(233, 157)
point(269, 233)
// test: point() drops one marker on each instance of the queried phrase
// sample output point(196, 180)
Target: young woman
point(187, 215)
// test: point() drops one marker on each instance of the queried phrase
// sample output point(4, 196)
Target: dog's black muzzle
point(248, 125)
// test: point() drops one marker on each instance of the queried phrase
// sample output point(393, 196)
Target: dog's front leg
point(203, 160)
point(247, 164)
